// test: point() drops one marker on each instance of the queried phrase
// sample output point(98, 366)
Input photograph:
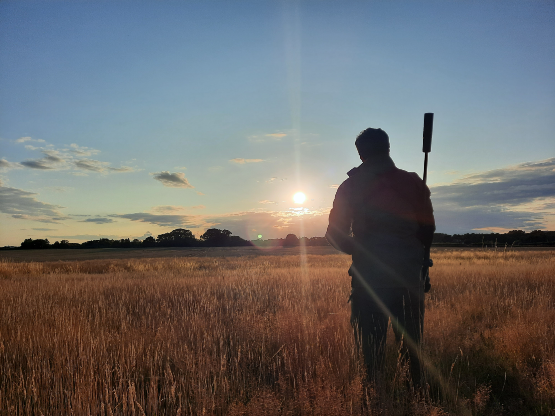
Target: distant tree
point(318, 241)
point(29, 243)
point(177, 238)
point(61, 244)
point(214, 237)
point(102, 243)
point(236, 241)
point(149, 242)
point(291, 240)
point(442, 238)
point(537, 236)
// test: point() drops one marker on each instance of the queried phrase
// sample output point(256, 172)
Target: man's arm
point(426, 220)
point(339, 228)
point(427, 227)
point(423, 210)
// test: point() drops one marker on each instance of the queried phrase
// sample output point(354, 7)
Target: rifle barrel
point(425, 166)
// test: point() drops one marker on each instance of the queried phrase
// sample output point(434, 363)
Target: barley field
point(268, 335)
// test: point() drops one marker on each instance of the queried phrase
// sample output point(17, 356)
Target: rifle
point(427, 148)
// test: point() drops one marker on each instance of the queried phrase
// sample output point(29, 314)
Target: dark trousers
point(370, 313)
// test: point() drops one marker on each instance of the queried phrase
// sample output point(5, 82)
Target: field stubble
point(268, 335)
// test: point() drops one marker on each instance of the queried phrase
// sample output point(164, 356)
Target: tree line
point(214, 237)
point(180, 237)
point(511, 238)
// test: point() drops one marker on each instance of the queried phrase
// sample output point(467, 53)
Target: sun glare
point(299, 198)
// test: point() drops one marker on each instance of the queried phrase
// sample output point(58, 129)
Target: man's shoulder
point(353, 171)
point(347, 183)
point(412, 179)
point(409, 176)
point(345, 189)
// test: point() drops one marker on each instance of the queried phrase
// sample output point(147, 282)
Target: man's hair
point(372, 142)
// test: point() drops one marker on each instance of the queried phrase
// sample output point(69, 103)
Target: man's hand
point(426, 274)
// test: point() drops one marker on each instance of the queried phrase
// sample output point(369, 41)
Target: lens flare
point(299, 198)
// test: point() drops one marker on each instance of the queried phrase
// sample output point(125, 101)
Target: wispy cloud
point(172, 180)
point(59, 189)
point(98, 166)
point(99, 220)
point(265, 201)
point(168, 209)
point(173, 209)
point(82, 150)
point(92, 165)
point(4, 164)
point(37, 164)
point(242, 161)
point(266, 137)
point(68, 158)
point(52, 159)
point(164, 220)
point(28, 139)
point(276, 135)
point(274, 179)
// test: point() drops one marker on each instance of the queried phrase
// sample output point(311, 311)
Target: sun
point(299, 198)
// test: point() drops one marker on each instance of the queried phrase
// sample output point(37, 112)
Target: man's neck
point(378, 163)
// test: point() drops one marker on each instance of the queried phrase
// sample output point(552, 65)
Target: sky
point(123, 119)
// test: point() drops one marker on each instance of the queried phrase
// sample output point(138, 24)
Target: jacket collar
point(374, 166)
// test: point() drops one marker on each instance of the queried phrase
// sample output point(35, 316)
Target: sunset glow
point(299, 198)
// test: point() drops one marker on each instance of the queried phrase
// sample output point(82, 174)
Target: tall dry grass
point(267, 335)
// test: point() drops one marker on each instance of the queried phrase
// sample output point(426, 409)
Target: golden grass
point(267, 335)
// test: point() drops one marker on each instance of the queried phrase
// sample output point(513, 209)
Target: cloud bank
point(515, 197)
point(21, 204)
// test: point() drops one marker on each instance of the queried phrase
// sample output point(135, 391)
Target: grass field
point(267, 335)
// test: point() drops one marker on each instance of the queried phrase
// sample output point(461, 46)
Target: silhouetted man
point(383, 217)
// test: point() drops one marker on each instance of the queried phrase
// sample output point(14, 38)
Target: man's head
point(372, 142)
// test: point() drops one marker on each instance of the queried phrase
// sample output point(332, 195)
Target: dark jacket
point(383, 217)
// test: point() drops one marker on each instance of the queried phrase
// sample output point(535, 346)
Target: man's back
point(388, 211)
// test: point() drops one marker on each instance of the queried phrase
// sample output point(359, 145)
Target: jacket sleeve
point(425, 216)
point(341, 216)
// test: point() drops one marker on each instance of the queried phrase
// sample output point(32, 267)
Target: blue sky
point(121, 119)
